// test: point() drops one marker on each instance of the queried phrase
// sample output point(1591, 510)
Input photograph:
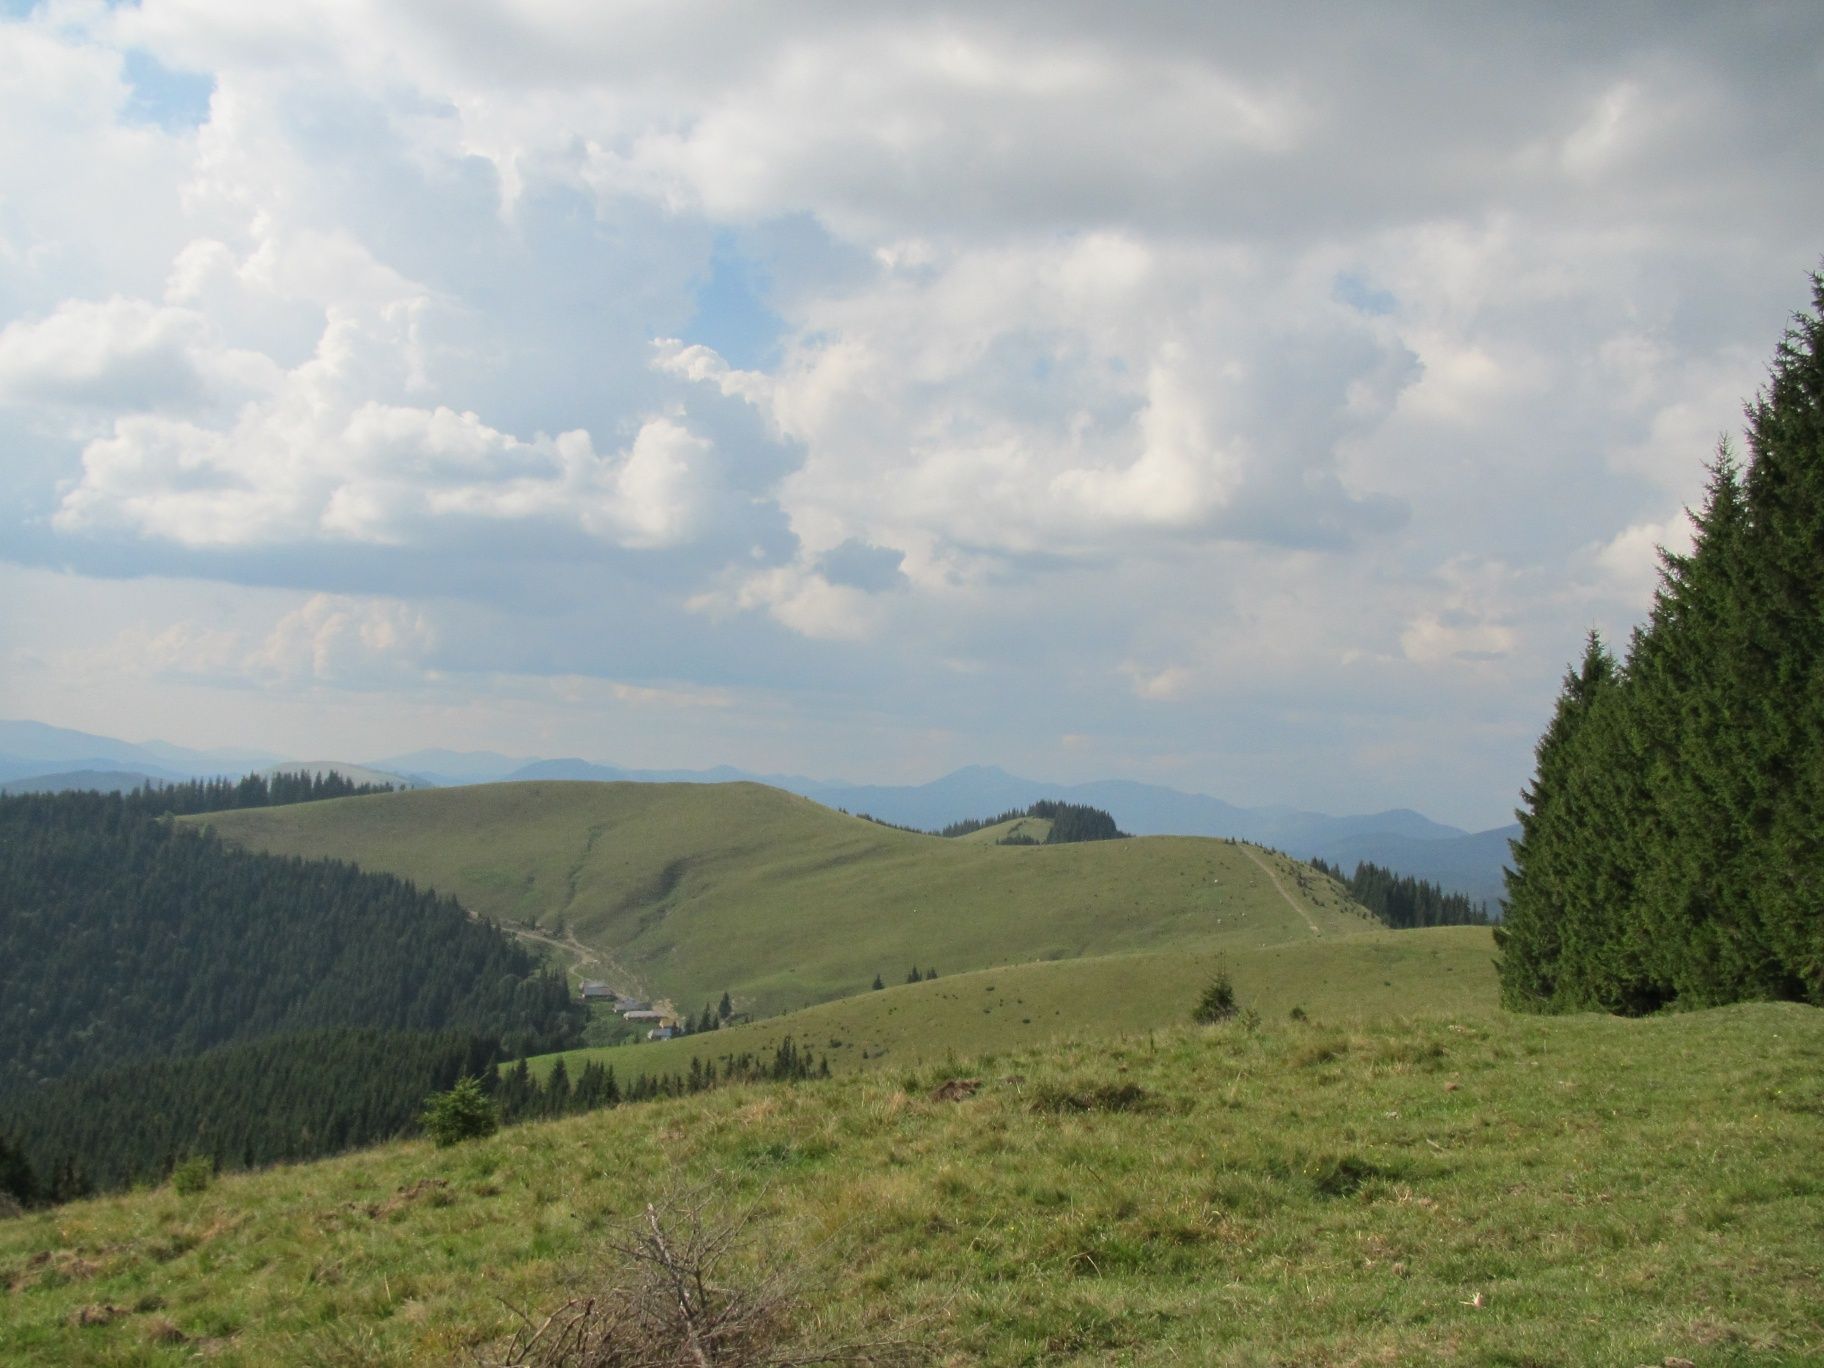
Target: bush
point(1218, 1000)
point(465, 1112)
point(193, 1175)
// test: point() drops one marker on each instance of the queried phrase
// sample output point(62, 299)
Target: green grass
point(1341, 980)
point(690, 890)
point(1440, 1189)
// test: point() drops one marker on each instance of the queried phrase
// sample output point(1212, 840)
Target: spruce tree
point(1672, 840)
point(556, 1099)
point(1541, 879)
point(1785, 497)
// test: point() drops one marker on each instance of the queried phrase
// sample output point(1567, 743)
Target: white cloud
point(335, 639)
point(801, 600)
point(314, 460)
point(1629, 562)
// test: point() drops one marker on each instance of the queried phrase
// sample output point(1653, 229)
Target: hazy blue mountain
point(1469, 864)
point(446, 768)
point(12, 767)
point(213, 760)
point(1399, 838)
point(570, 768)
point(33, 748)
point(1142, 809)
point(573, 768)
point(94, 780)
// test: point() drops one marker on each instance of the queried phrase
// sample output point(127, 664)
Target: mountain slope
point(690, 890)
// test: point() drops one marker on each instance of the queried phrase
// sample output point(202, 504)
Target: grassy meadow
point(690, 890)
point(1350, 979)
point(1443, 1188)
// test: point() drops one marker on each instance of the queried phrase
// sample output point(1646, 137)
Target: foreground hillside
point(685, 891)
point(1548, 1192)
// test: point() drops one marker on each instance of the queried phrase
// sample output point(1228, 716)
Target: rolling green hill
point(684, 891)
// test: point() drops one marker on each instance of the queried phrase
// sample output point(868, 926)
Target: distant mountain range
point(36, 756)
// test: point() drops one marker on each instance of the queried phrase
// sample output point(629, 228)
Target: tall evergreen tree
point(1785, 497)
point(1672, 840)
point(1539, 881)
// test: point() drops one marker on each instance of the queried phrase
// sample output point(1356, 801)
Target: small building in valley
point(645, 1014)
point(661, 1033)
point(596, 992)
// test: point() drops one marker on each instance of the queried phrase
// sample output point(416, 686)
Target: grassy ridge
point(1342, 980)
point(1548, 1192)
point(696, 889)
point(1033, 828)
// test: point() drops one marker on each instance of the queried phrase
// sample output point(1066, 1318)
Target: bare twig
point(669, 1306)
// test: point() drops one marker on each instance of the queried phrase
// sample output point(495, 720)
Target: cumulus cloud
point(123, 355)
point(336, 641)
point(313, 459)
point(333, 639)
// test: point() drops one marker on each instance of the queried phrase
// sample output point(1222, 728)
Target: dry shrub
point(672, 1302)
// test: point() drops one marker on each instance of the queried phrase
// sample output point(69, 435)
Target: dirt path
point(570, 945)
point(581, 954)
point(1280, 888)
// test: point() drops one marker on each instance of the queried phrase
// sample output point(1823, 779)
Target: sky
point(1259, 400)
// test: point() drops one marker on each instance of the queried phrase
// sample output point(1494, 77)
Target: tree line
point(1672, 837)
point(188, 797)
point(518, 1095)
point(1402, 901)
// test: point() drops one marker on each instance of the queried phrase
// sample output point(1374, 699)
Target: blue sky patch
point(732, 314)
point(161, 96)
point(1359, 295)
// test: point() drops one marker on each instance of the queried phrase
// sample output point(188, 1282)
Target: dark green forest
point(123, 937)
point(300, 1097)
point(1403, 902)
point(261, 1102)
point(1672, 838)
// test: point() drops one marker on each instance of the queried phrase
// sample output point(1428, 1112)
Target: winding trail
point(1280, 888)
point(570, 945)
